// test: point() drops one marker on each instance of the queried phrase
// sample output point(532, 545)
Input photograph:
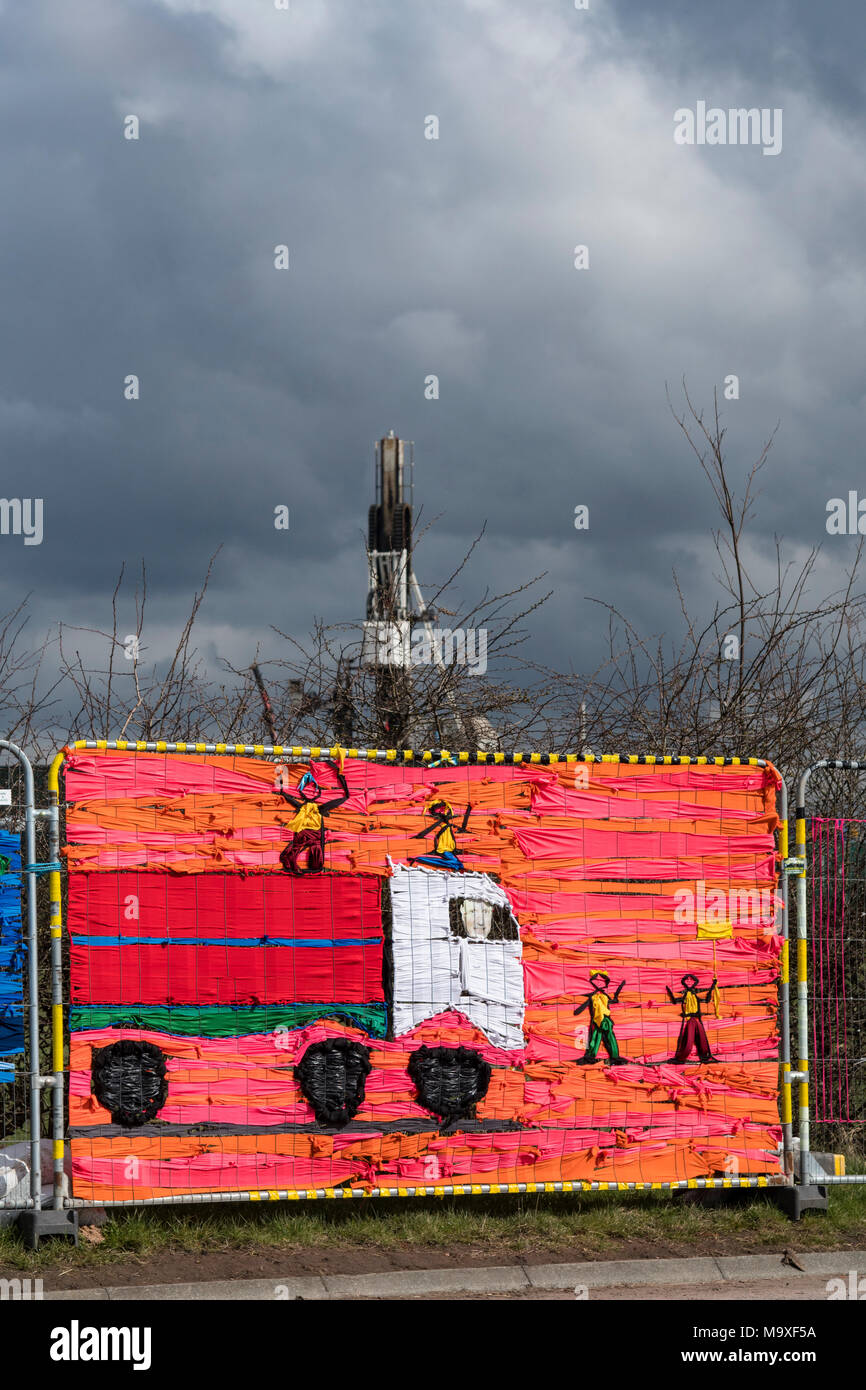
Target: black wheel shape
point(332, 1077)
point(129, 1080)
point(450, 1081)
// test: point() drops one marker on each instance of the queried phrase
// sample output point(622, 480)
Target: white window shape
point(456, 945)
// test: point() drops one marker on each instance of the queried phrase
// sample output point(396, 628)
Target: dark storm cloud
point(798, 43)
point(411, 257)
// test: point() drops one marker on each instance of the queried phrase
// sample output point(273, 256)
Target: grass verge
point(587, 1226)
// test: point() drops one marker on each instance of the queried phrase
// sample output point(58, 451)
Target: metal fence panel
point(831, 960)
point(22, 1017)
point(455, 973)
point(837, 928)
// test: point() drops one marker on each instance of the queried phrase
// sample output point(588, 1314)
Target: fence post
point(785, 997)
point(802, 978)
point(29, 867)
point(56, 977)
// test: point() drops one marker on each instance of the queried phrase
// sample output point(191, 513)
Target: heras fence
point(311, 973)
point(830, 877)
point(25, 1024)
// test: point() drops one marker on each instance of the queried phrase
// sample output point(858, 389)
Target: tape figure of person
point(693, 1035)
point(308, 826)
point(601, 1024)
point(444, 854)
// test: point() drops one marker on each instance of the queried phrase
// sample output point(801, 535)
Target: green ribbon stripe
point(226, 1022)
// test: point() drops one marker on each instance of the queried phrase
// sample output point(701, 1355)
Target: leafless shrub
point(796, 691)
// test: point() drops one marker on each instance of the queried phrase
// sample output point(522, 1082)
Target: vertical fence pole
point(802, 980)
point(33, 989)
point(32, 973)
point(56, 977)
point(785, 998)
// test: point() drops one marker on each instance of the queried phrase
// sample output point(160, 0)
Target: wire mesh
point(16, 1063)
point(837, 921)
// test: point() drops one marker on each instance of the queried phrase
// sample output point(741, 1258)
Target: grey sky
point(410, 257)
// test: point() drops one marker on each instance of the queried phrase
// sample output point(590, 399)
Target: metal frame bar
point(427, 756)
point(408, 755)
point(452, 1190)
point(36, 1080)
point(57, 1116)
point(785, 998)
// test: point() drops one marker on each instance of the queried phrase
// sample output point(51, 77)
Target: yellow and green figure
point(444, 855)
point(601, 1022)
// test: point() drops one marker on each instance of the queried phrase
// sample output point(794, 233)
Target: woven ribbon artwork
point(356, 973)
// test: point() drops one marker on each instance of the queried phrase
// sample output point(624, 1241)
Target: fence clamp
point(794, 866)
